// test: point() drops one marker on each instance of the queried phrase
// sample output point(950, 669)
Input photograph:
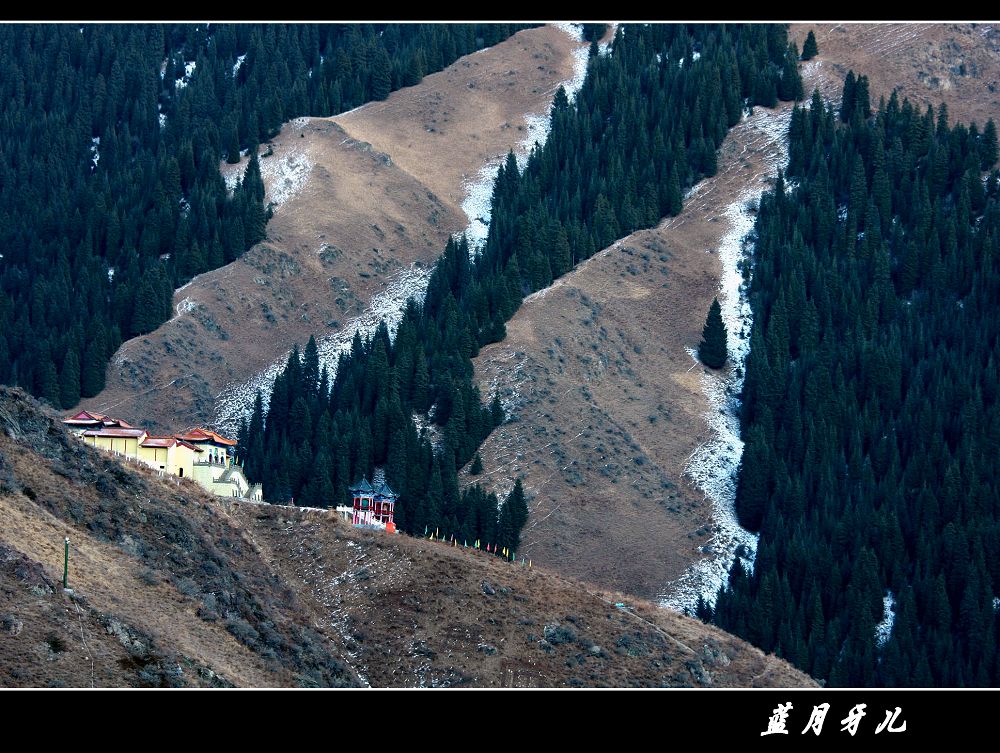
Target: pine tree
point(988, 148)
point(712, 350)
point(477, 465)
point(47, 382)
point(518, 506)
point(790, 84)
point(310, 367)
point(92, 371)
point(69, 379)
point(496, 410)
point(809, 48)
point(847, 97)
point(381, 75)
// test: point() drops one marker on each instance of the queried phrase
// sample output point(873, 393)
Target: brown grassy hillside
point(928, 63)
point(607, 401)
point(607, 405)
point(366, 194)
point(174, 588)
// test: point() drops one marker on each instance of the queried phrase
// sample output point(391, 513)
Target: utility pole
point(66, 564)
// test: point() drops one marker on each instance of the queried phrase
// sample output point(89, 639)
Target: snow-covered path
point(713, 465)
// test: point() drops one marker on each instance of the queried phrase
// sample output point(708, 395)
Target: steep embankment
point(174, 588)
point(166, 591)
point(365, 202)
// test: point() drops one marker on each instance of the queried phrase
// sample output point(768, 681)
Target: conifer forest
point(870, 408)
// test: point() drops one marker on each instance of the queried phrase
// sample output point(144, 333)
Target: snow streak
point(285, 177)
point(236, 400)
point(188, 73)
point(713, 465)
point(479, 190)
point(884, 629)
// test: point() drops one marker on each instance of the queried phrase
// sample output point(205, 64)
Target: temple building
point(373, 507)
point(199, 454)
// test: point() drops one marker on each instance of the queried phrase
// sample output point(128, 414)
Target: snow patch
point(884, 629)
point(95, 151)
point(285, 176)
point(238, 63)
point(604, 48)
point(232, 174)
point(713, 465)
point(188, 72)
point(235, 401)
point(810, 70)
point(184, 306)
point(111, 274)
point(434, 435)
point(575, 30)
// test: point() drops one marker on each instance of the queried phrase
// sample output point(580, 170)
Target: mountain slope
point(358, 203)
point(927, 63)
point(606, 400)
point(174, 588)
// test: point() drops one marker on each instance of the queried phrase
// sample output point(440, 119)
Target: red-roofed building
point(116, 439)
point(199, 454)
point(84, 420)
point(215, 467)
point(169, 454)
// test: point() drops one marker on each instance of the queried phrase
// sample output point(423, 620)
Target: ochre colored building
point(199, 454)
point(169, 454)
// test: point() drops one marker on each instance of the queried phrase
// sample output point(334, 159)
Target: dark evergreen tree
point(518, 506)
point(809, 48)
point(790, 84)
point(69, 380)
point(988, 146)
point(712, 350)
